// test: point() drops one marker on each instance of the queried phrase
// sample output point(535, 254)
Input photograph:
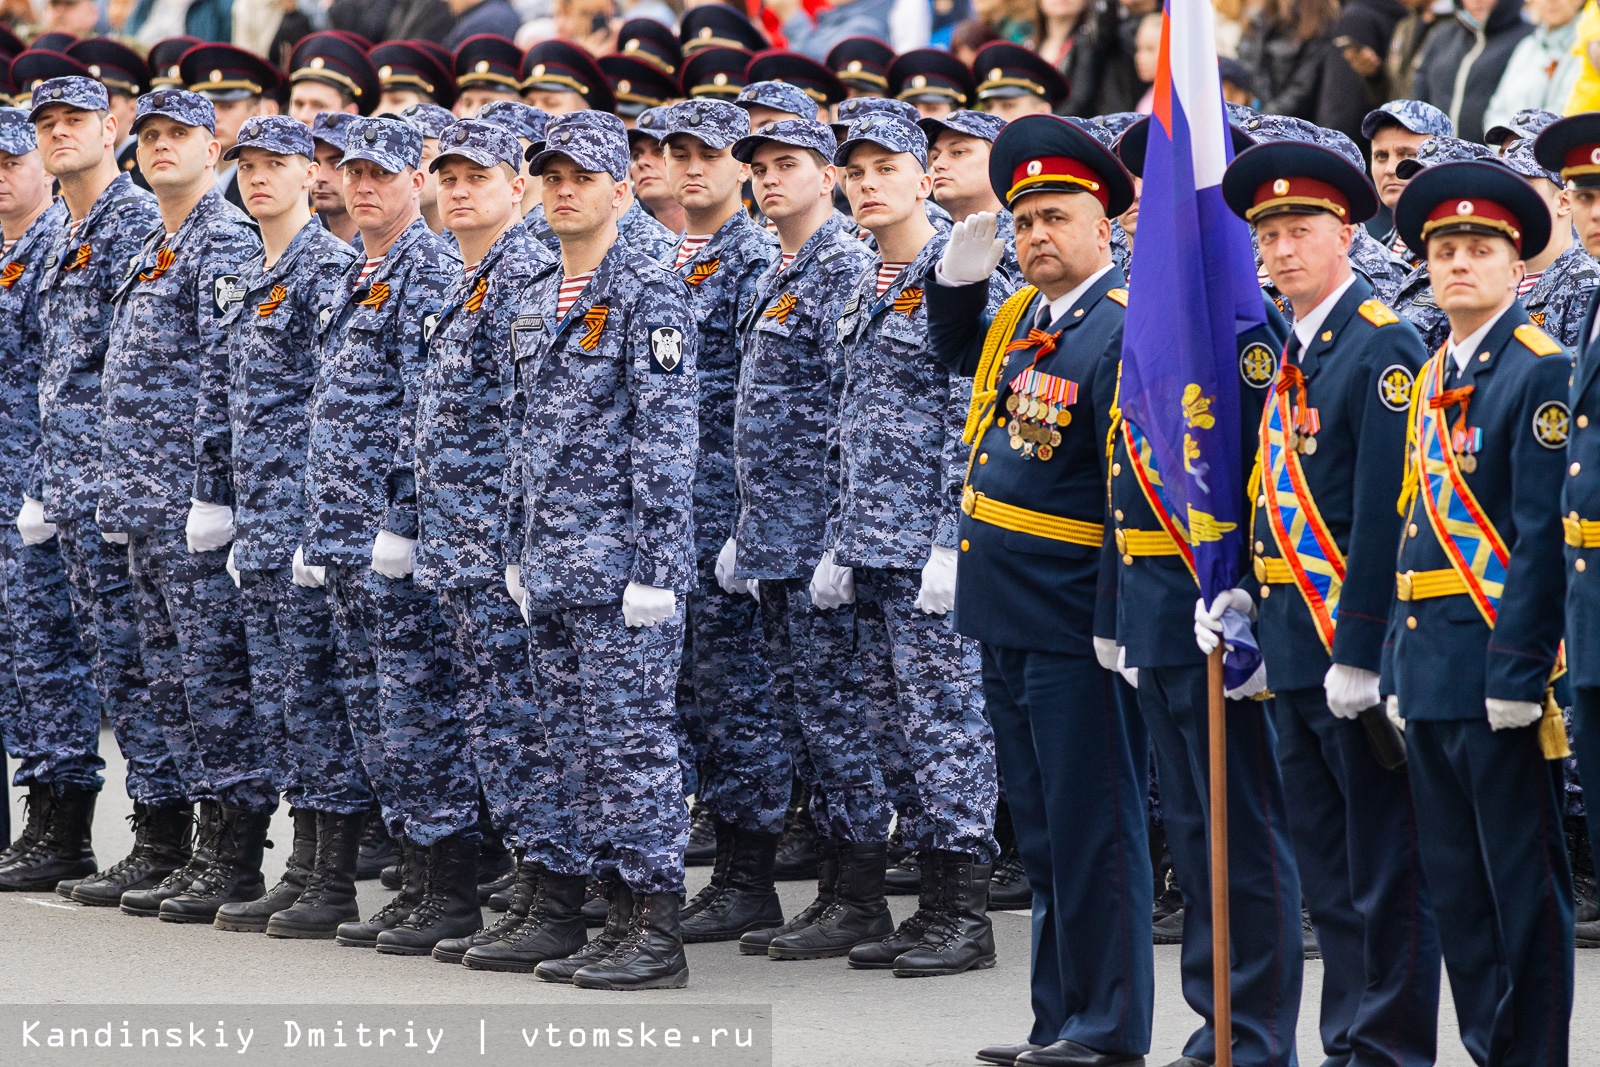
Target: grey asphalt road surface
point(57, 953)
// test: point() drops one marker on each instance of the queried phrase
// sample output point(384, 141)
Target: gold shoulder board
point(1378, 313)
point(1119, 294)
point(1537, 341)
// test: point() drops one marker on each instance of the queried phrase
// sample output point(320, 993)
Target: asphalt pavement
point(53, 952)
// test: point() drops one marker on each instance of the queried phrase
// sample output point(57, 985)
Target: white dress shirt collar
point(1063, 304)
point(1462, 351)
point(1305, 329)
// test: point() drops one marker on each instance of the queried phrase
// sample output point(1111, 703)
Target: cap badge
point(919, 82)
point(1280, 187)
point(624, 86)
point(369, 135)
point(216, 75)
point(482, 67)
point(461, 136)
point(1594, 156)
point(631, 46)
point(854, 66)
point(996, 74)
point(317, 62)
point(385, 71)
point(705, 32)
point(1464, 208)
point(720, 79)
point(94, 68)
point(1035, 167)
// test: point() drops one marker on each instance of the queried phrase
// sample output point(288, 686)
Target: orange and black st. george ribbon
point(594, 320)
point(782, 308)
point(702, 271)
point(475, 300)
point(909, 300)
point(164, 260)
point(80, 258)
point(9, 276)
point(376, 296)
point(272, 302)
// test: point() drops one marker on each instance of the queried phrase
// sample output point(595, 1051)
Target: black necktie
point(1291, 353)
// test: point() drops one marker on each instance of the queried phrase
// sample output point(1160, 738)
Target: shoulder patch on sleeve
point(666, 350)
point(1257, 365)
point(1378, 313)
point(1551, 424)
point(1394, 387)
point(1536, 340)
point(1119, 294)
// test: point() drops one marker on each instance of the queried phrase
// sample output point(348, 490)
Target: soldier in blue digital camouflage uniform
point(1561, 280)
point(1329, 456)
point(430, 120)
point(259, 433)
point(772, 101)
point(890, 544)
point(1394, 132)
point(1108, 130)
point(743, 767)
point(85, 261)
point(327, 196)
point(465, 534)
point(854, 110)
point(1525, 125)
point(361, 527)
point(958, 160)
point(1031, 531)
point(791, 377)
point(603, 477)
point(166, 350)
point(50, 722)
point(1474, 631)
point(1415, 301)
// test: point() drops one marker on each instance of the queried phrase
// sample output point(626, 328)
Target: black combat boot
point(329, 898)
point(65, 848)
point(234, 874)
point(702, 850)
point(748, 899)
point(378, 849)
point(595, 906)
point(723, 833)
point(519, 898)
point(37, 805)
point(1008, 885)
point(859, 911)
point(161, 845)
point(357, 934)
point(500, 899)
point(755, 942)
point(649, 957)
point(497, 871)
point(390, 877)
point(146, 903)
point(449, 904)
point(904, 879)
point(797, 848)
point(1585, 906)
point(619, 919)
point(552, 930)
point(250, 917)
point(880, 954)
point(958, 935)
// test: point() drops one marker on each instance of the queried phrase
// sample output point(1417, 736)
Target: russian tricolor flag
point(1193, 290)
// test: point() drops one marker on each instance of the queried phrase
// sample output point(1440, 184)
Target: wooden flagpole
point(1221, 972)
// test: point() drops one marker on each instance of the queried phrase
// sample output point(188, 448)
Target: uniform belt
point(1146, 543)
point(1426, 585)
point(1037, 523)
point(1581, 533)
point(1271, 570)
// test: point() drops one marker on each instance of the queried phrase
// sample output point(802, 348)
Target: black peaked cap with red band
point(1048, 154)
point(1292, 177)
point(1571, 148)
point(1472, 197)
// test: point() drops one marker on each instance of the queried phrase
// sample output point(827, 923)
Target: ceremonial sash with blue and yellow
point(1302, 537)
point(1141, 459)
point(1473, 546)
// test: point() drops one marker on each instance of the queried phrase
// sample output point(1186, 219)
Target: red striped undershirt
point(887, 273)
point(692, 244)
point(571, 289)
point(788, 260)
point(1529, 280)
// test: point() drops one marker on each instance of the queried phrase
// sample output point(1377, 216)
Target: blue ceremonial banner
point(1193, 291)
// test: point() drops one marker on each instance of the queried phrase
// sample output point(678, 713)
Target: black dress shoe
point(1308, 938)
point(1072, 1054)
point(1005, 1055)
point(1168, 930)
point(1189, 1061)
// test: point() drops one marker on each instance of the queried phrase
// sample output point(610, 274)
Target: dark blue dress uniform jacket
point(1580, 501)
point(1359, 380)
point(1015, 589)
point(1446, 660)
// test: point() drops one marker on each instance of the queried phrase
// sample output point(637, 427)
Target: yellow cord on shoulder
point(984, 388)
point(1413, 473)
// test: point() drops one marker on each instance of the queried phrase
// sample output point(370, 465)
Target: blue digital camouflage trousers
point(49, 710)
point(102, 601)
point(522, 781)
point(294, 683)
point(823, 711)
point(424, 778)
point(192, 643)
point(607, 694)
point(923, 690)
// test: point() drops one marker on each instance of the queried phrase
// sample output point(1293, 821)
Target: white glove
point(755, 589)
point(725, 560)
point(1391, 708)
point(514, 584)
point(1129, 674)
point(111, 537)
point(831, 586)
point(1254, 684)
point(1512, 714)
point(646, 605)
point(31, 524)
point(307, 577)
point(973, 251)
point(393, 556)
point(1105, 651)
point(938, 593)
point(233, 572)
point(210, 526)
point(1350, 690)
point(1208, 621)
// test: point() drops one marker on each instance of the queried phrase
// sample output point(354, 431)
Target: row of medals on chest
point(1033, 423)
